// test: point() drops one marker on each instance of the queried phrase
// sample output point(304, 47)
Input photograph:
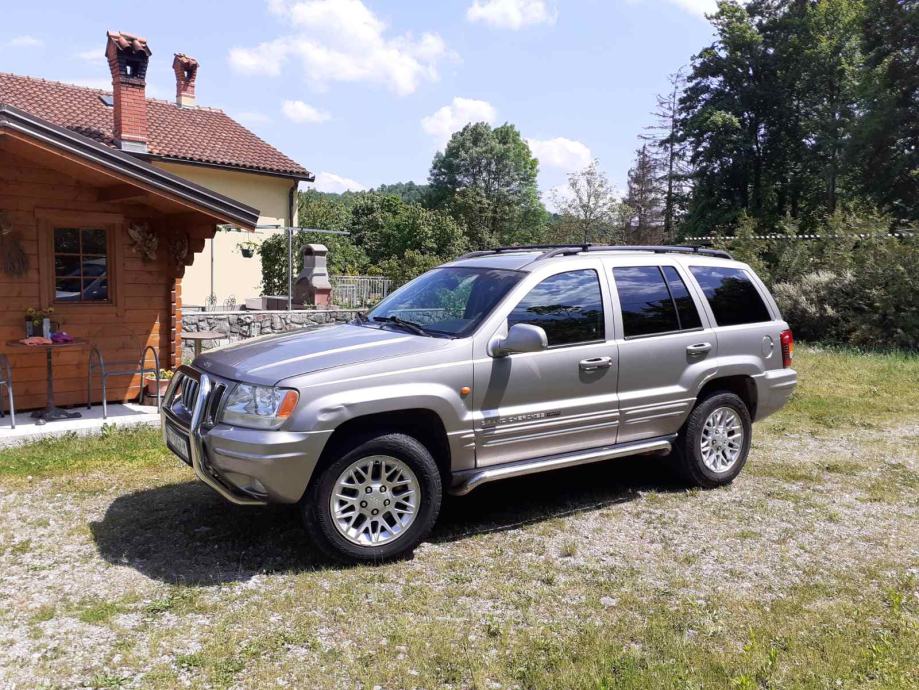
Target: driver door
point(561, 399)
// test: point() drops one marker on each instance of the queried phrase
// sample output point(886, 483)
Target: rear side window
point(733, 297)
point(654, 299)
point(567, 306)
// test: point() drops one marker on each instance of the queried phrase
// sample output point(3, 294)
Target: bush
point(856, 284)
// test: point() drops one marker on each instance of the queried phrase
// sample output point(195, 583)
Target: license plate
point(178, 443)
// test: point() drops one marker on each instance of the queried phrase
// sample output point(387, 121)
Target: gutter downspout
point(292, 197)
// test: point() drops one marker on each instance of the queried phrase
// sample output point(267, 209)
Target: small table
point(51, 411)
point(199, 337)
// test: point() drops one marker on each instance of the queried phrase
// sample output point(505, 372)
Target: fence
point(359, 291)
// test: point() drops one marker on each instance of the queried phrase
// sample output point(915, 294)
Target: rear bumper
point(773, 389)
point(245, 466)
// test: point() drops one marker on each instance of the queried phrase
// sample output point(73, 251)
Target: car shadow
point(186, 534)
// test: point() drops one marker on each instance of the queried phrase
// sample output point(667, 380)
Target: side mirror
point(522, 337)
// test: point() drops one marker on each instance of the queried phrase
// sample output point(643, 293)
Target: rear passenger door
point(665, 341)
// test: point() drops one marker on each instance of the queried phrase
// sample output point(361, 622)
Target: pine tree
point(644, 201)
point(670, 152)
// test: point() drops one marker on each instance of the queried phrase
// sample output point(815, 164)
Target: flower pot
point(247, 252)
point(151, 385)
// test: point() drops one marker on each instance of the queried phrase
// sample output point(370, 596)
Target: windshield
point(446, 301)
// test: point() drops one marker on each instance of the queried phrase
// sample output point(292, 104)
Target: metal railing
point(359, 291)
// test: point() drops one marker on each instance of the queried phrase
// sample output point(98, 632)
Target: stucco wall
point(234, 275)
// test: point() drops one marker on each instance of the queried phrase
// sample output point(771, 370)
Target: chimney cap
point(184, 61)
point(125, 41)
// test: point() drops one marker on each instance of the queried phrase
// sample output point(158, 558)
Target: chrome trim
point(194, 431)
point(464, 482)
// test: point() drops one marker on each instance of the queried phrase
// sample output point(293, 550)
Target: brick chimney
point(127, 58)
point(186, 69)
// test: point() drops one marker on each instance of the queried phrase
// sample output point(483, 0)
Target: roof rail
point(551, 250)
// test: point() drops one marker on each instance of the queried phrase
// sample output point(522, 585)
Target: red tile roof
point(204, 135)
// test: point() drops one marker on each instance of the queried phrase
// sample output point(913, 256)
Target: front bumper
point(245, 466)
point(773, 389)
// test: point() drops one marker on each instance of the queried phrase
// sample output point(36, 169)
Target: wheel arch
point(742, 385)
point(422, 424)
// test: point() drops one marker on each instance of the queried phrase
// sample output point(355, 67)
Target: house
point(92, 202)
point(200, 144)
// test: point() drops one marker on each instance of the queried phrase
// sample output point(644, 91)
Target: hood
point(267, 360)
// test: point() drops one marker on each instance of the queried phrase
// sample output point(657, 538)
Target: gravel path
point(124, 585)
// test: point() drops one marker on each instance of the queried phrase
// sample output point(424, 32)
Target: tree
point(486, 179)
point(409, 192)
point(670, 152)
point(886, 146)
point(385, 227)
point(644, 201)
point(588, 209)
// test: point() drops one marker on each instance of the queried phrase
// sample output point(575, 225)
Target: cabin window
point(81, 265)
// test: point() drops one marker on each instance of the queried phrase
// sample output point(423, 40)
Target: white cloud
point(303, 113)
point(569, 155)
point(252, 118)
point(94, 55)
point(25, 41)
point(510, 14)
point(461, 111)
point(342, 40)
point(697, 7)
point(330, 182)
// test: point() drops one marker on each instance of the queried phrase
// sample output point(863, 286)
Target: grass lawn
point(119, 571)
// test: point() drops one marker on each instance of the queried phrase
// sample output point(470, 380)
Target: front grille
point(189, 392)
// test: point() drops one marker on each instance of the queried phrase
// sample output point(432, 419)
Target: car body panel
point(495, 410)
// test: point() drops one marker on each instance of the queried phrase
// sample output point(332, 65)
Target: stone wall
point(238, 325)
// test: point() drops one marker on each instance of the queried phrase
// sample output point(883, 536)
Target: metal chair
point(139, 367)
point(6, 379)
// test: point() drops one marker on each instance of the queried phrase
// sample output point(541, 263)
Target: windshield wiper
point(410, 326)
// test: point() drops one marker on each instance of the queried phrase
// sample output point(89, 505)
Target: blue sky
point(363, 92)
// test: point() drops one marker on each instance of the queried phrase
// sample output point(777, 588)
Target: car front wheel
point(374, 502)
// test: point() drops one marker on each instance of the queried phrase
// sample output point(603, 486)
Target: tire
point(356, 476)
point(719, 466)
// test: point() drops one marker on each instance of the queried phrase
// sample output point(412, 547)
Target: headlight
point(260, 407)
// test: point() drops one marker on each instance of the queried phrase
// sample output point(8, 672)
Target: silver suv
point(499, 364)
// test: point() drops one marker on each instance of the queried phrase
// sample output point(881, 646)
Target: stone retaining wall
point(238, 325)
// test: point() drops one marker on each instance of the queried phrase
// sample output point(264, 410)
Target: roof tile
point(203, 135)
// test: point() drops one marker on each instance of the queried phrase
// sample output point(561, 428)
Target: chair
point(6, 379)
point(123, 368)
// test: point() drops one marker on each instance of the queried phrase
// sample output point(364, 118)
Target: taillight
point(788, 347)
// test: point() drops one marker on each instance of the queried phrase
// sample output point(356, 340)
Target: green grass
point(840, 388)
point(129, 448)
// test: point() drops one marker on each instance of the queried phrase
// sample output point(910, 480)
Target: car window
point(685, 308)
point(731, 294)
point(654, 299)
point(567, 306)
point(450, 301)
point(645, 301)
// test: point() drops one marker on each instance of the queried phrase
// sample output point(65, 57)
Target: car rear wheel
point(376, 501)
point(713, 444)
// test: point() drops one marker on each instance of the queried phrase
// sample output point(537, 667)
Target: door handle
point(698, 349)
point(595, 363)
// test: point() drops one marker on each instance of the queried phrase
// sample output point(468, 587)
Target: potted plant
point(38, 321)
point(247, 249)
point(150, 382)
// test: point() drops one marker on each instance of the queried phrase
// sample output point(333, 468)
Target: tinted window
point(645, 301)
point(685, 307)
point(731, 294)
point(568, 306)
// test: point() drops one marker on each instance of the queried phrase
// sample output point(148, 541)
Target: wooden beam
point(121, 192)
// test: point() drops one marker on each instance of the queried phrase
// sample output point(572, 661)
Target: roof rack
point(552, 250)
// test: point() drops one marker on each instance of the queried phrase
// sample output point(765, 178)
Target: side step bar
point(467, 480)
